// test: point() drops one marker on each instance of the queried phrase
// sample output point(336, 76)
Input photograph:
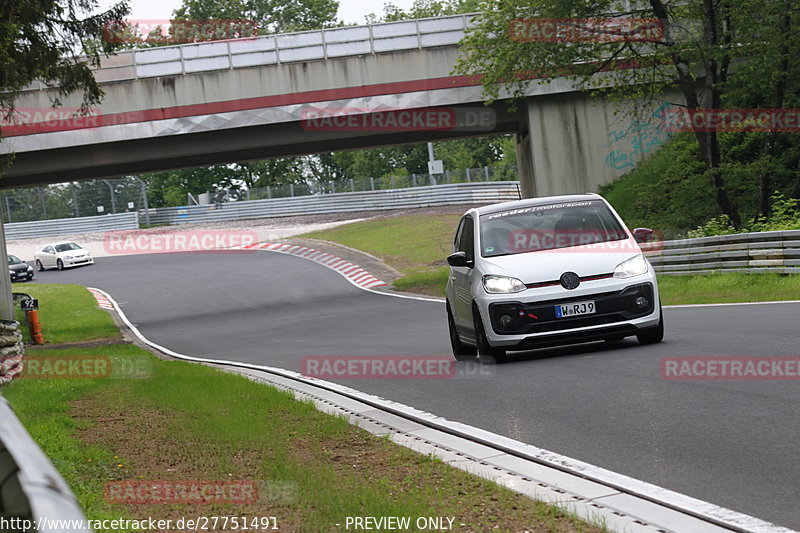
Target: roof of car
point(529, 202)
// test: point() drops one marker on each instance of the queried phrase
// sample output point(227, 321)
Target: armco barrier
point(435, 195)
point(769, 251)
point(31, 487)
point(69, 226)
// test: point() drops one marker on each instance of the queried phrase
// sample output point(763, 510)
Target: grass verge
point(67, 313)
point(418, 244)
point(175, 421)
point(728, 287)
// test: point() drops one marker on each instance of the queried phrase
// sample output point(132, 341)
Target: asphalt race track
point(733, 443)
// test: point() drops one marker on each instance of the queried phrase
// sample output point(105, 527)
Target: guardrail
point(434, 195)
point(769, 251)
point(69, 226)
point(281, 48)
point(30, 487)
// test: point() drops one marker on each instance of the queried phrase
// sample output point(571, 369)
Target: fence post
point(372, 183)
point(75, 201)
point(393, 184)
point(269, 192)
point(144, 199)
point(413, 180)
point(291, 190)
point(44, 205)
point(8, 207)
point(469, 180)
point(113, 200)
point(352, 185)
point(486, 172)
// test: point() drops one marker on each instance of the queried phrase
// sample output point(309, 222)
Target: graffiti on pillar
point(628, 146)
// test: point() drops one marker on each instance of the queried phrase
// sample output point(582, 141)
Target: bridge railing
point(282, 48)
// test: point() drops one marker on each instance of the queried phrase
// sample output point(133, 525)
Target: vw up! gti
point(546, 272)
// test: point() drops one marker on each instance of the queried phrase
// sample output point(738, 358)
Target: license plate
point(575, 309)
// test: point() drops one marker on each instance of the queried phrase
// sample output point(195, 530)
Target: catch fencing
point(30, 487)
point(436, 195)
point(71, 226)
point(768, 251)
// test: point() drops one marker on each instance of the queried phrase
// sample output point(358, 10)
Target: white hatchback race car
point(62, 255)
point(546, 272)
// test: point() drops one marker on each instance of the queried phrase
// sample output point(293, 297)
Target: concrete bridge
point(247, 99)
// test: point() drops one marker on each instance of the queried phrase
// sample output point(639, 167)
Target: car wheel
point(487, 353)
point(461, 351)
point(30, 276)
point(60, 264)
point(39, 266)
point(652, 335)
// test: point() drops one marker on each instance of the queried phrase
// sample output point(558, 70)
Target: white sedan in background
point(62, 255)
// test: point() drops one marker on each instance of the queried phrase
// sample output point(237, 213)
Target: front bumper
point(78, 261)
point(20, 275)
point(534, 322)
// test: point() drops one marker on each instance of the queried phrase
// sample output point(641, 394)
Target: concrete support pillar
point(573, 143)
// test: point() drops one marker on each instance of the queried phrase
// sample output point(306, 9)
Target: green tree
point(704, 46)
point(430, 8)
point(51, 42)
point(271, 16)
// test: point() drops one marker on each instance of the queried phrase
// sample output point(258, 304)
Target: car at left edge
point(18, 269)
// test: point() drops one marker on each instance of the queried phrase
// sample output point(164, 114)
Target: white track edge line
point(687, 504)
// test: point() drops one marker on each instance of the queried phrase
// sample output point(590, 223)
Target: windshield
point(67, 247)
point(548, 227)
point(13, 260)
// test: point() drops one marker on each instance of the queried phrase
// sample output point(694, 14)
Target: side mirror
point(459, 259)
point(642, 234)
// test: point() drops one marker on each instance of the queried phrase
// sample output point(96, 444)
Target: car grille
point(540, 317)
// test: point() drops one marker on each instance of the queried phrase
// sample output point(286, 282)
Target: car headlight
point(11, 272)
point(502, 284)
point(634, 266)
point(67, 257)
point(30, 268)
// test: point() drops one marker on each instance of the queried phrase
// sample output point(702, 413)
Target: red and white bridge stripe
point(354, 273)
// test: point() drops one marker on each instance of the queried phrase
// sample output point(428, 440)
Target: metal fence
point(438, 195)
point(769, 251)
point(30, 487)
point(70, 226)
point(77, 199)
point(468, 175)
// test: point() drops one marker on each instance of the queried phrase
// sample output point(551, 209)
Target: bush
point(785, 216)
